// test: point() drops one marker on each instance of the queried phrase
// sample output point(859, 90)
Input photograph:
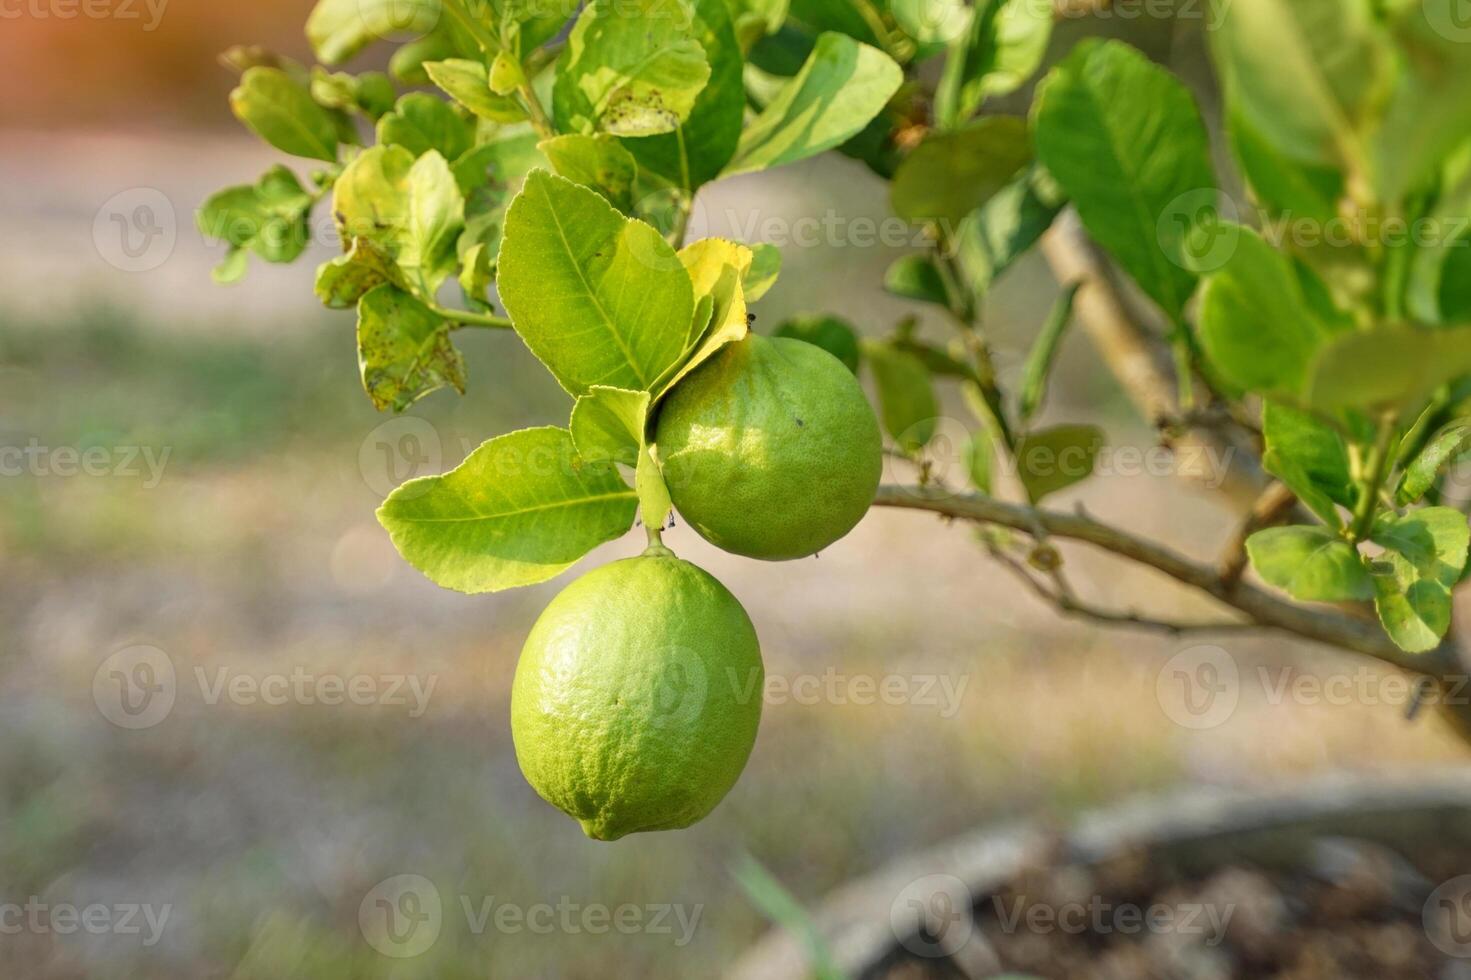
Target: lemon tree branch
point(1334, 628)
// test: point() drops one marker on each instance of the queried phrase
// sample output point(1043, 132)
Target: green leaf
point(1044, 353)
point(765, 268)
point(506, 74)
point(842, 86)
point(433, 221)
point(342, 281)
point(467, 82)
point(477, 275)
point(1314, 447)
point(270, 218)
point(1311, 564)
point(630, 68)
point(716, 269)
point(281, 111)
point(404, 350)
point(441, 44)
point(421, 122)
point(1424, 556)
point(839, 16)
point(411, 209)
point(951, 174)
point(521, 509)
point(1427, 116)
point(599, 162)
point(831, 333)
point(609, 423)
point(370, 198)
point(654, 503)
point(339, 29)
point(1303, 74)
point(931, 21)
point(916, 277)
point(1304, 487)
point(907, 403)
point(599, 298)
point(1054, 459)
point(1007, 227)
point(1451, 444)
point(240, 58)
point(1254, 322)
point(1388, 367)
point(755, 19)
point(1126, 142)
point(1287, 188)
point(1002, 48)
point(980, 461)
point(371, 93)
point(704, 143)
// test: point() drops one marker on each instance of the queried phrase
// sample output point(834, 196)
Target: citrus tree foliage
point(537, 161)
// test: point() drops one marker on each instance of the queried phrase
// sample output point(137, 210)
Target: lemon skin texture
point(637, 697)
point(770, 449)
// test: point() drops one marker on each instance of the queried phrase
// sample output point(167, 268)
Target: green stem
point(1377, 468)
point(467, 318)
point(682, 220)
point(657, 547)
point(538, 115)
point(1184, 367)
point(897, 47)
point(962, 306)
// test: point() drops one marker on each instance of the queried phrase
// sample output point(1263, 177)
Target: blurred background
point(200, 519)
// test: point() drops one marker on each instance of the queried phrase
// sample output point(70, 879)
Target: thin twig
point(1069, 605)
point(1331, 627)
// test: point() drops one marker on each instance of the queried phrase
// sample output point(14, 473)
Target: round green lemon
point(770, 449)
point(637, 697)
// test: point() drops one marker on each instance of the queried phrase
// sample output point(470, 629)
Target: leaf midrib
point(519, 512)
point(597, 302)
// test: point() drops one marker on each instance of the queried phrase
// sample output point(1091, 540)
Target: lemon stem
point(657, 548)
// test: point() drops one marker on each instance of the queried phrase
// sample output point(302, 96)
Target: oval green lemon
point(770, 450)
point(637, 697)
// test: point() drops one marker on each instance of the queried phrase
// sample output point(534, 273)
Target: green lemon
point(770, 450)
point(637, 697)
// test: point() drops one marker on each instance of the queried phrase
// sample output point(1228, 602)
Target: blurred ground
point(228, 523)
